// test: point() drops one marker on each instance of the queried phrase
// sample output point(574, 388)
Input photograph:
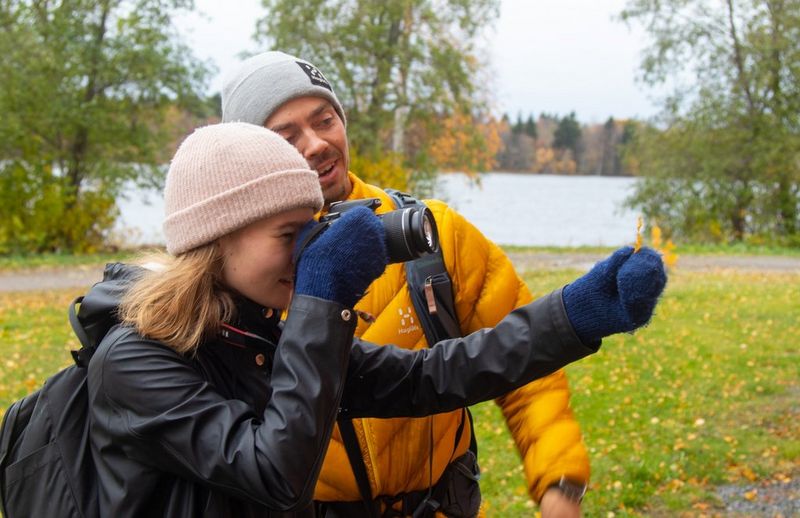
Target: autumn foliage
point(465, 143)
point(562, 145)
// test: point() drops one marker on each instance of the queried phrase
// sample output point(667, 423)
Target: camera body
point(411, 232)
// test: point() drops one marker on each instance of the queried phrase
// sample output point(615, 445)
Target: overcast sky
point(553, 56)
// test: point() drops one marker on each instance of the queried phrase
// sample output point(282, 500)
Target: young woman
point(204, 404)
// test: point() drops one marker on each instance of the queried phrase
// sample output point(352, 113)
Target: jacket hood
point(98, 309)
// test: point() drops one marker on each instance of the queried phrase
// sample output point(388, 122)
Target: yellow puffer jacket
point(396, 452)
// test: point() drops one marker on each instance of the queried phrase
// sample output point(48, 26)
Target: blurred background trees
point(92, 93)
point(562, 145)
point(96, 94)
point(723, 164)
point(409, 73)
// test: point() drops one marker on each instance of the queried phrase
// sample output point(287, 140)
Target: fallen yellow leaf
point(749, 474)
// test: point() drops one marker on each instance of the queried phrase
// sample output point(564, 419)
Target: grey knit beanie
point(226, 176)
point(264, 82)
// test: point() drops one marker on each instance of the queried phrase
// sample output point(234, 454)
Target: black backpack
point(46, 467)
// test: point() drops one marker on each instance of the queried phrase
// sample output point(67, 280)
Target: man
point(403, 458)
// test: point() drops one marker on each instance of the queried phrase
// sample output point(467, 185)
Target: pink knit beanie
point(226, 176)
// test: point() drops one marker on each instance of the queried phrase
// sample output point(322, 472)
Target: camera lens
point(427, 230)
point(410, 233)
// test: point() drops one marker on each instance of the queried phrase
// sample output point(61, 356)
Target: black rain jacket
point(240, 429)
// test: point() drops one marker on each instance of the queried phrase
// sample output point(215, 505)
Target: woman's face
point(258, 258)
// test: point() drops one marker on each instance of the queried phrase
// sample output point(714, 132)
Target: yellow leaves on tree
point(554, 161)
point(544, 155)
point(388, 171)
point(466, 144)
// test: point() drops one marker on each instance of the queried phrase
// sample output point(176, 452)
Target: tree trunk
point(738, 58)
point(399, 130)
point(80, 141)
point(76, 161)
point(383, 74)
point(787, 207)
point(743, 199)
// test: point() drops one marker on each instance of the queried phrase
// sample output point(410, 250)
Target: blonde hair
point(180, 302)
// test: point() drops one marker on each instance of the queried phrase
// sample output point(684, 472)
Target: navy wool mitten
point(618, 294)
point(342, 262)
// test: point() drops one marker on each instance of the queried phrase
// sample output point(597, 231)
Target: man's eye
point(291, 138)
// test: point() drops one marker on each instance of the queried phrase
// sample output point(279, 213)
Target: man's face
point(312, 125)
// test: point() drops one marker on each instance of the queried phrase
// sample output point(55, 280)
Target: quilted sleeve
point(538, 415)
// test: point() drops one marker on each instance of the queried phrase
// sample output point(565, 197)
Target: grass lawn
point(706, 395)
point(31, 262)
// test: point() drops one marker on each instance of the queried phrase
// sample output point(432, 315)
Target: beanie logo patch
point(315, 75)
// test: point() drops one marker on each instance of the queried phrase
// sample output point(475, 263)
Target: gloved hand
point(618, 294)
point(342, 262)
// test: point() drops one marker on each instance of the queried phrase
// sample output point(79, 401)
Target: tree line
point(561, 145)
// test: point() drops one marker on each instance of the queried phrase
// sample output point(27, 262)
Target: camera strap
point(430, 286)
point(431, 291)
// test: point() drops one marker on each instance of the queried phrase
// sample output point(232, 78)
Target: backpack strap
point(353, 450)
point(430, 286)
point(6, 439)
point(431, 290)
point(82, 356)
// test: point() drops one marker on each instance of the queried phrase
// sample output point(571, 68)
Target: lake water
point(510, 209)
point(516, 209)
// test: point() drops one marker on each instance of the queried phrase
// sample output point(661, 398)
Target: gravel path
point(50, 278)
point(773, 499)
point(583, 261)
point(85, 276)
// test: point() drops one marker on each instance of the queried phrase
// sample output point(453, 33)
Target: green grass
point(559, 249)
point(35, 339)
point(706, 395)
point(736, 249)
point(38, 261)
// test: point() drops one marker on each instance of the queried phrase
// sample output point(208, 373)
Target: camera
point(411, 232)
